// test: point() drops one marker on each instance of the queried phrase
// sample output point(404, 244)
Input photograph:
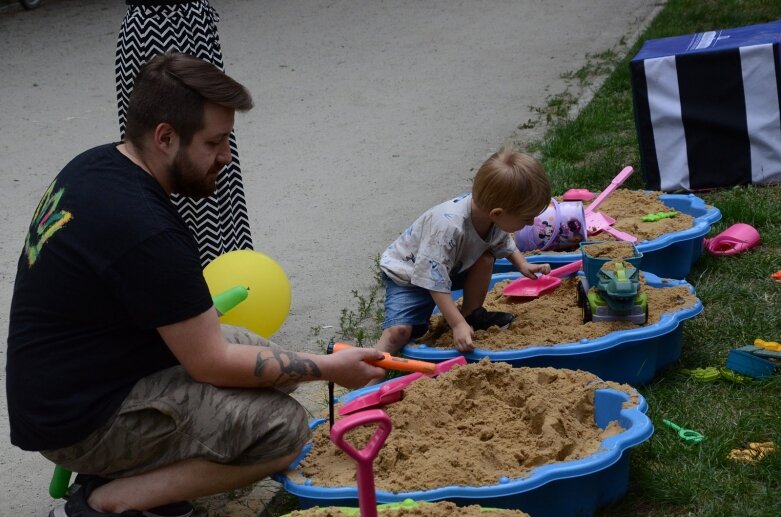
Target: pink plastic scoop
point(364, 458)
point(544, 283)
point(599, 222)
point(393, 391)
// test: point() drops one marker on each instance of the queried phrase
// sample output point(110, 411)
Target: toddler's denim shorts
point(411, 305)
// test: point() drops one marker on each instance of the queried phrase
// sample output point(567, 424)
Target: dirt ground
point(471, 426)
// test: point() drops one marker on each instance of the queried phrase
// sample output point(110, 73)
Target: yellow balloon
point(268, 303)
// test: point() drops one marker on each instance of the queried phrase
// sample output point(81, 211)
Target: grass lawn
point(669, 477)
point(741, 303)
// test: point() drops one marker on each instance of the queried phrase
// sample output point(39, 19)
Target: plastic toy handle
point(364, 458)
point(572, 267)
point(446, 366)
point(230, 298)
point(617, 181)
point(61, 479)
point(674, 426)
point(391, 362)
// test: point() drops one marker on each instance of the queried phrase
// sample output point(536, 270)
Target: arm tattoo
point(292, 368)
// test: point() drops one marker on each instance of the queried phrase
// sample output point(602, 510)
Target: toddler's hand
point(531, 270)
point(462, 337)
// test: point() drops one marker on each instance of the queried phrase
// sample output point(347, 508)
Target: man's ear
point(166, 139)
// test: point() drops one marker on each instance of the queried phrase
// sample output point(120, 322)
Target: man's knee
point(282, 431)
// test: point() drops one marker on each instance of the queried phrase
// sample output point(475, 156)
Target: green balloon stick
point(229, 299)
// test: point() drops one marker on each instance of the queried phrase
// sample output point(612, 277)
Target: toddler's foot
point(482, 319)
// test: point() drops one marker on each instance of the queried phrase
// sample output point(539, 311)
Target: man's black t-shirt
point(106, 261)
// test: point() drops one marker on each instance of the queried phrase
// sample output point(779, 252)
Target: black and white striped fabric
point(220, 222)
point(707, 108)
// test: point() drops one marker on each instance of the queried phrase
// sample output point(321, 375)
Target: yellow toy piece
point(754, 452)
point(768, 345)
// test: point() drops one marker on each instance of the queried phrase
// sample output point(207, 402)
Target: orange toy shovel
point(393, 363)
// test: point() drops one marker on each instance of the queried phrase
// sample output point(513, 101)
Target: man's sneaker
point(481, 319)
point(76, 505)
point(180, 509)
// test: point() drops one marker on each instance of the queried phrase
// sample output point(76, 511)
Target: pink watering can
point(736, 239)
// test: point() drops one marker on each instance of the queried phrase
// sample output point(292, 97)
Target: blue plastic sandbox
point(631, 356)
point(670, 256)
point(576, 487)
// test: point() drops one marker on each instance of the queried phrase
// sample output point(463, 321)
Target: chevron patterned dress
point(219, 222)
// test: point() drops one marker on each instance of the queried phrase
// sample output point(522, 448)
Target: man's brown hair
point(173, 88)
point(512, 181)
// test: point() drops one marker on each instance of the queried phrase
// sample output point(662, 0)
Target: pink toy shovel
point(544, 283)
point(393, 391)
point(364, 458)
point(597, 221)
point(736, 239)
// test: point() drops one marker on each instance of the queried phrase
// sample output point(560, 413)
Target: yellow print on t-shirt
point(47, 220)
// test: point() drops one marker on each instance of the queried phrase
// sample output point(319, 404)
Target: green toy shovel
point(687, 435)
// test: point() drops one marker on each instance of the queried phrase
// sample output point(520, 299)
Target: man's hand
point(199, 346)
point(462, 337)
point(349, 367)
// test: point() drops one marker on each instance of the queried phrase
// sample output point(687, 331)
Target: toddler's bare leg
point(394, 338)
point(478, 277)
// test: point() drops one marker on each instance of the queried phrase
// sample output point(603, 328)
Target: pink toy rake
point(599, 222)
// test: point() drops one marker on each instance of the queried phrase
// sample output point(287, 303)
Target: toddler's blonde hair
point(513, 181)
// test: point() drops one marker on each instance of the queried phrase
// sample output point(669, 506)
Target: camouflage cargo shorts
point(168, 417)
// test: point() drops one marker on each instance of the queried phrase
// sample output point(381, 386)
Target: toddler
point(454, 245)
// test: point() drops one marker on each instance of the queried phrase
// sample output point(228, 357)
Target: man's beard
point(188, 180)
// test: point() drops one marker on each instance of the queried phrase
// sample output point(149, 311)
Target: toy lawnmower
point(610, 288)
